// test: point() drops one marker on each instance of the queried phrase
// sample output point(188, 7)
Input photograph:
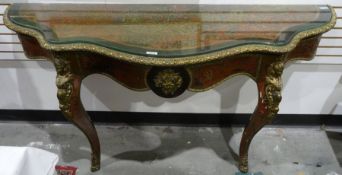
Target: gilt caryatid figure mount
point(169, 49)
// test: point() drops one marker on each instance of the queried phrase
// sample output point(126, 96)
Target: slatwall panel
point(10, 47)
point(329, 51)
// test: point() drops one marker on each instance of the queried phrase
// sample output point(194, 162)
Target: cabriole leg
point(269, 87)
point(68, 94)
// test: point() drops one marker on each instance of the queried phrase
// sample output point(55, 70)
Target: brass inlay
point(168, 80)
point(171, 61)
point(123, 84)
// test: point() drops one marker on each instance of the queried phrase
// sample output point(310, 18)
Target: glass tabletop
point(169, 30)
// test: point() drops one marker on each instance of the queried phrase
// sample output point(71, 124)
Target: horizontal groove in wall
point(26, 60)
point(11, 51)
point(8, 33)
point(10, 42)
point(331, 37)
point(337, 56)
point(307, 63)
point(337, 47)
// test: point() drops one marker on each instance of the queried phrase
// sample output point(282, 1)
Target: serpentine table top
point(169, 49)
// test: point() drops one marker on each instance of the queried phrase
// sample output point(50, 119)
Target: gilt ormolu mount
point(169, 49)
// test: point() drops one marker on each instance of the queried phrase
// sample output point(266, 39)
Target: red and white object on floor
point(66, 170)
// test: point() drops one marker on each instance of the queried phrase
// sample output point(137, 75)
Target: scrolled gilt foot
point(243, 164)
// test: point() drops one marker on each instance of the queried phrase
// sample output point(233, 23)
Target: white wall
point(309, 87)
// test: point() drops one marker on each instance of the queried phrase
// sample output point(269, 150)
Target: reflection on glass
point(169, 30)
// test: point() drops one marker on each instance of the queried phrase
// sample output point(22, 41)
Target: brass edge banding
point(299, 59)
point(254, 78)
point(145, 78)
point(257, 73)
point(221, 81)
point(123, 84)
point(187, 69)
point(36, 57)
point(159, 61)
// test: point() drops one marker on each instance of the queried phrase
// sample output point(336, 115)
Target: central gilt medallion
point(168, 82)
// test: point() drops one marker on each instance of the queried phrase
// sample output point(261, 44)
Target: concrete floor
point(185, 150)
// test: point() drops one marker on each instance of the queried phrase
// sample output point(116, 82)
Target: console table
point(169, 49)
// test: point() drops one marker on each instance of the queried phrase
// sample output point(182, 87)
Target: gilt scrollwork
point(64, 82)
point(273, 86)
point(243, 167)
